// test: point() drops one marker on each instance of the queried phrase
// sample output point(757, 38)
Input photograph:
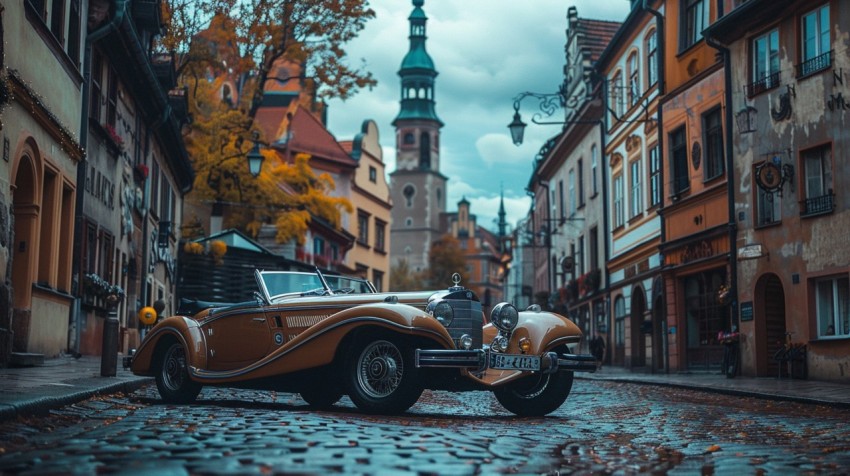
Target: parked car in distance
point(325, 337)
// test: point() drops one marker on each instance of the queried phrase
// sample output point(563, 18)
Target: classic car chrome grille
point(304, 321)
point(467, 320)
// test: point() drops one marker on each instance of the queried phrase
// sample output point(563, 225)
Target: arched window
point(408, 193)
point(408, 223)
point(425, 151)
point(651, 49)
point(409, 138)
point(634, 79)
point(616, 95)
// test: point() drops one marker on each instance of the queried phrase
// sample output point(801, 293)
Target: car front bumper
point(479, 359)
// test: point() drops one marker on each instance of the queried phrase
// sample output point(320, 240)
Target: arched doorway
point(770, 323)
point(24, 250)
point(638, 336)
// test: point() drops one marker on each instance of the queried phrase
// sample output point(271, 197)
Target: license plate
point(514, 362)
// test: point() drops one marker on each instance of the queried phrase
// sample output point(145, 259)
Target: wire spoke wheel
point(380, 369)
point(381, 376)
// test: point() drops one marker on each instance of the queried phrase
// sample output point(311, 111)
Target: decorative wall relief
point(696, 154)
point(784, 111)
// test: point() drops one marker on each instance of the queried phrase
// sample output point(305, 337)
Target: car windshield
point(278, 283)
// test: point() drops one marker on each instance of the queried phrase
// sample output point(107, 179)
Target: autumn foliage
point(226, 51)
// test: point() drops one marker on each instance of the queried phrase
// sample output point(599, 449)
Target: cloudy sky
point(486, 52)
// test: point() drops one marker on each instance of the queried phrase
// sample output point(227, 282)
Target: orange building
point(697, 238)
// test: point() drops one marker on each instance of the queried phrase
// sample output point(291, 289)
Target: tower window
point(409, 138)
point(408, 193)
point(425, 151)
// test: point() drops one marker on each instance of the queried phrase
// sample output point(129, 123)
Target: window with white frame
point(694, 21)
point(580, 182)
point(616, 95)
point(634, 79)
point(635, 194)
point(619, 219)
point(765, 51)
point(815, 41)
point(817, 170)
point(654, 176)
point(651, 58)
point(572, 192)
point(561, 199)
point(594, 167)
point(832, 304)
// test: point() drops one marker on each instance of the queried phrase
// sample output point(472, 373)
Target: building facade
point(417, 188)
point(569, 207)
point(371, 199)
point(698, 237)
point(791, 206)
point(632, 159)
point(484, 252)
point(94, 217)
point(43, 52)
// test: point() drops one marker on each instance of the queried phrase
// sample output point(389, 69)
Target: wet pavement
point(604, 427)
point(65, 380)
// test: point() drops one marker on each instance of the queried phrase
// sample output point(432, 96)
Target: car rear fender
point(185, 330)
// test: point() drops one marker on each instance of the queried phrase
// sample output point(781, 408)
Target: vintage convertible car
point(325, 337)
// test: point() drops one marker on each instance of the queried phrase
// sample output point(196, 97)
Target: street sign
point(751, 251)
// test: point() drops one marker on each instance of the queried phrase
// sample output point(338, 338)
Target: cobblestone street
point(604, 427)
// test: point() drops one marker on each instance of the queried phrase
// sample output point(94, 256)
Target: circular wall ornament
point(768, 177)
point(696, 155)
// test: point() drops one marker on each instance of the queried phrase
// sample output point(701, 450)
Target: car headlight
point(504, 316)
point(443, 312)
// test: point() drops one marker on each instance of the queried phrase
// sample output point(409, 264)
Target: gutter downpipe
point(91, 39)
point(659, 34)
point(545, 183)
point(730, 177)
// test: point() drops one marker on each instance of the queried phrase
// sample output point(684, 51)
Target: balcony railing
point(769, 81)
point(818, 205)
point(818, 63)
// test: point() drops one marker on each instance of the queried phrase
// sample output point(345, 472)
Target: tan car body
point(236, 345)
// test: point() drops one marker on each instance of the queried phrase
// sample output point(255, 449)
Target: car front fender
point(185, 330)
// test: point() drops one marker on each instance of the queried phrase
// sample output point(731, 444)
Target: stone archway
point(24, 249)
point(638, 336)
point(769, 323)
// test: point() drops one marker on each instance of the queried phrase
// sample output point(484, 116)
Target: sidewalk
point(65, 380)
point(60, 381)
point(817, 392)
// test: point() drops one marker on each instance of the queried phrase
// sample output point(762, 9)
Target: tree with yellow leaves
point(239, 44)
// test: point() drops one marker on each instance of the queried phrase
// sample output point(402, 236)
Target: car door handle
point(259, 319)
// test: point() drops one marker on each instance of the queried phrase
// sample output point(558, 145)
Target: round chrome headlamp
point(466, 342)
point(443, 312)
point(504, 316)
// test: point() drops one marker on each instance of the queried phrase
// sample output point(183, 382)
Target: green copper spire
point(417, 72)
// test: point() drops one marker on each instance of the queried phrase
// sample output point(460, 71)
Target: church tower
point(418, 189)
